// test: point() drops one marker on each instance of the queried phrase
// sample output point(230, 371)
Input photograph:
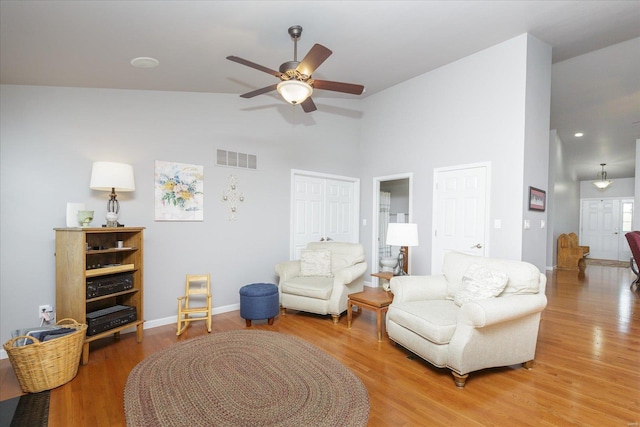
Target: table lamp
point(110, 176)
point(403, 235)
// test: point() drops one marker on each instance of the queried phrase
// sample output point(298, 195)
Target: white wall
point(564, 199)
point(621, 187)
point(49, 138)
point(470, 111)
point(536, 147)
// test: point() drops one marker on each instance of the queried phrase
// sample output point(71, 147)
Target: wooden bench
point(570, 254)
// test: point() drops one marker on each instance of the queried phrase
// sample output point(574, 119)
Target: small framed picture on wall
point(537, 199)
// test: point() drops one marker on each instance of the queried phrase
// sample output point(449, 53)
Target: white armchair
point(481, 313)
point(322, 279)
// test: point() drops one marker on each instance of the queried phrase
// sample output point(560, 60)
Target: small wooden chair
point(197, 290)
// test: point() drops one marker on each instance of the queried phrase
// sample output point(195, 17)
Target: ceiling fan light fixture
point(602, 183)
point(145, 62)
point(294, 91)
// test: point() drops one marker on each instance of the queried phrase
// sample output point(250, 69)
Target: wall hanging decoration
point(179, 192)
point(537, 199)
point(231, 196)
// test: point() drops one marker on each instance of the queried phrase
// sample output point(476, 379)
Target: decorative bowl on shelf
point(85, 218)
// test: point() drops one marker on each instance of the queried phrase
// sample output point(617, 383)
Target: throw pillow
point(315, 262)
point(478, 283)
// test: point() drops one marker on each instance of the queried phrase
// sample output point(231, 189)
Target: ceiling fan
point(296, 85)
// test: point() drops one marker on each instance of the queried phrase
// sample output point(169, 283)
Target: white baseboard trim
point(160, 322)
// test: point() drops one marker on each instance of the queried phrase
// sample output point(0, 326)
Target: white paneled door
point(323, 207)
point(340, 206)
point(459, 213)
point(604, 223)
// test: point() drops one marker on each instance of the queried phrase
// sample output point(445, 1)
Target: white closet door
point(308, 212)
point(323, 207)
point(340, 223)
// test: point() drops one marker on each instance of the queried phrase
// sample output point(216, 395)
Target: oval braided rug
point(244, 378)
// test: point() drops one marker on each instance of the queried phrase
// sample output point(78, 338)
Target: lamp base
point(112, 219)
point(109, 224)
point(402, 261)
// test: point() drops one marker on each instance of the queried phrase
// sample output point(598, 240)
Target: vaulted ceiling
point(596, 52)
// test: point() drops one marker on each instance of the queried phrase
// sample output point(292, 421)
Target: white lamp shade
point(294, 91)
point(602, 184)
point(108, 175)
point(402, 234)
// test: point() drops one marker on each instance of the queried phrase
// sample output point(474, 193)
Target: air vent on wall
point(236, 160)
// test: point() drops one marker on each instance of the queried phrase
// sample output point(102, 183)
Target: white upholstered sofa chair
point(320, 281)
point(480, 313)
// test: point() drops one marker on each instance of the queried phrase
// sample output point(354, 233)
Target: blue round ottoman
point(259, 301)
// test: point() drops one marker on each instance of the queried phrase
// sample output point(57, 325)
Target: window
point(627, 216)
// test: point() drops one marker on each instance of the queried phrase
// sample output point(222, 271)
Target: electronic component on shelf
point(105, 285)
point(109, 318)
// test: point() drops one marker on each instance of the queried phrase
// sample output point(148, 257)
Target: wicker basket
point(45, 365)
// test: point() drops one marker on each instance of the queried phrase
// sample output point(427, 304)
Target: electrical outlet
point(45, 312)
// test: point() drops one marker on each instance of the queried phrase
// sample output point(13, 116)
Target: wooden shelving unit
point(83, 253)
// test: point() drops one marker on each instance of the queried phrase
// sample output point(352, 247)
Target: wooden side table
point(387, 275)
point(374, 299)
point(384, 275)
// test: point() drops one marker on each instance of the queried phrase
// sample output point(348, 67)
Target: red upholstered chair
point(633, 237)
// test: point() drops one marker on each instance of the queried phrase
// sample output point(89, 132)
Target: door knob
point(476, 246)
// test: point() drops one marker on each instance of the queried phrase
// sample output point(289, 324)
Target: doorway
point(392, 202)
point(603, 225)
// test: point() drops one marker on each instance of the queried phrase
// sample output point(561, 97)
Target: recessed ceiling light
point(144, 62)
point(578, 134)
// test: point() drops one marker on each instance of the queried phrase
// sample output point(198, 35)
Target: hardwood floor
point(586, 372)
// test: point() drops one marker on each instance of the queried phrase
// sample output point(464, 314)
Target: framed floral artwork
point(179, 192)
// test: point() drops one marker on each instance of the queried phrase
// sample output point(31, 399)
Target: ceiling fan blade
point(308, 105)
point(259, 91)
point(338, 87)
point(316, 56)
point(254, 65)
